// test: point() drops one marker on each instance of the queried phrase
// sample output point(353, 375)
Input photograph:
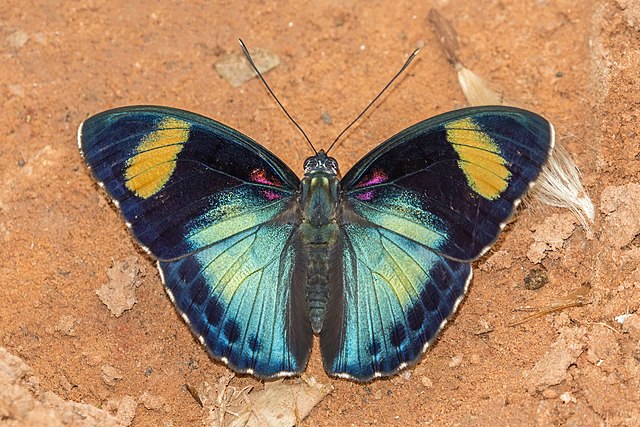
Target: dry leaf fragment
point(235, 68)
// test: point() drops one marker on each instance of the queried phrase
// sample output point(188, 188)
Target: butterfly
point(257, 260)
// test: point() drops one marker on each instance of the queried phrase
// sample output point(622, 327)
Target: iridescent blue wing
point(388, 303)
point(416, 211)
point(244, 300)
point(218, 212)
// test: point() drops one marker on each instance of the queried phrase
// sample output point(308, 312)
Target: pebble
point(455, 361)
point(426, 382)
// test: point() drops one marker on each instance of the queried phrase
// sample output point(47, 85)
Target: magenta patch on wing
point(365, 196)
point(271, 195)
point(260, 176)
point(377, 177)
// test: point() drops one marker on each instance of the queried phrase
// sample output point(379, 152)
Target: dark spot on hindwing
point(415, 316)
point(440, 278)
point(213, 311)
point(431, 329)
point(416, 348)
point(429, 301)
point(198, 293)
point(231, 331)
point(254, 343)
point(398, 335)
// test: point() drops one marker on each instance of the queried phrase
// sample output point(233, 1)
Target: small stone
point(631, 326)
point(535, 279)
point(16, 90)
point(40, 38)
point(455, 361)
point(326, 118)
point(93, 360)
point(235, 68)
point(549, 394)
point(378, 395)
point(552, 368)
point(567, 398)
point(195, 393)
point(111, 375)
point(621, 206)
point(17, 39)
point(485, 328)
point(65, 384)
point(119, 293)
point(66, 325)
point(426, 382)
point(499, 260)
point(549, 237)
point(151, 402)
point(123, 408)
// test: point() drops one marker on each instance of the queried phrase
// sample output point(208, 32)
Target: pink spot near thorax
point(377, 177)
point(260, 176)
point(366, 196)
point(271, 195)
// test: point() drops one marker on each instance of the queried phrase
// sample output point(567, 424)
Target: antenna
point(253, 65)
point(404, 67)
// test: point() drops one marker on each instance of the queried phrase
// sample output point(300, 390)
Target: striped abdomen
point(317, 283)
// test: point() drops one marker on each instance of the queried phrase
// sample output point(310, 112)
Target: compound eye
point(310, 163)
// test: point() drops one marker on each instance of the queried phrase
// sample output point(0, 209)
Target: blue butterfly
point(257, 260)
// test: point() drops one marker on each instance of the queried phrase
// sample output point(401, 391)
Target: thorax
point(319, 193)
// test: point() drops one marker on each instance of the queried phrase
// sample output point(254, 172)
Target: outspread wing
point(218, 212)
point(415, 212)
point(244, 300)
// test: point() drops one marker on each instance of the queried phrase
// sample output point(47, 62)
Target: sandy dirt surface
point(129, 359)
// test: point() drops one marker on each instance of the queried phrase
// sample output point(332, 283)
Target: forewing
point(183, 181)
point(244, 300)
point(389, 301)
point(451, 182)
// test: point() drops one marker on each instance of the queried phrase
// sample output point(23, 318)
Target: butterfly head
point(321, 163)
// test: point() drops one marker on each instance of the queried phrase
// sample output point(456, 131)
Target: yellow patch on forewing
point(480, 158)
point(149, 170)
